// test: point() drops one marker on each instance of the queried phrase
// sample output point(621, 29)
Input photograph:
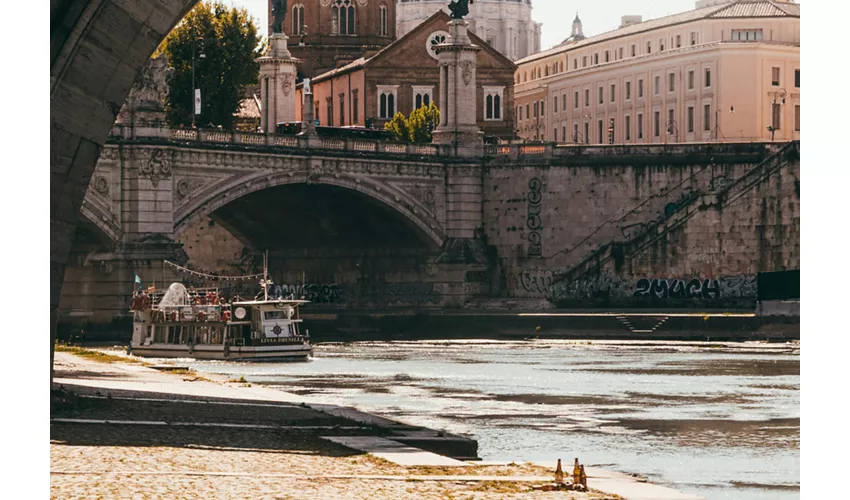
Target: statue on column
point(279, 14)
point(459, 8)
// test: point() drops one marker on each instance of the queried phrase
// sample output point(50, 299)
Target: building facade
point(404, 76)
point(504, 24)
point(727, 72)
point(326, 34)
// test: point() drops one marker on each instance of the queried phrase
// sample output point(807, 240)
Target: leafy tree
point(417, 127)
point(422, 122)
point(399, 127)
point(228, 39)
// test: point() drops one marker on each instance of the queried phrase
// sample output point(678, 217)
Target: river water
point(719, 420)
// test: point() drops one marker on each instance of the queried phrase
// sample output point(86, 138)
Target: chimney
point(630, 20)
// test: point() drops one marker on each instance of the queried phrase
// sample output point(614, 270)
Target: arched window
point(384, 18)
point(342, 17)
point(489, 107)
point(298, 19)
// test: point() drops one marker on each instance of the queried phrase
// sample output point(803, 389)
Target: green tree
point(225, 44)
point(399, 127)
point(422, 122)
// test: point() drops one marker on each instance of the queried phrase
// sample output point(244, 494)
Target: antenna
point(266, 275)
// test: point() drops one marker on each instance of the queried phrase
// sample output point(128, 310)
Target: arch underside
point(391, 201)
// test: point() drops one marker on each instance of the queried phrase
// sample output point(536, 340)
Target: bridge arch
point(424, 224)
point(101, 218)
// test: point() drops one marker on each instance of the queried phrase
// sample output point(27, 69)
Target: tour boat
point(200, 323)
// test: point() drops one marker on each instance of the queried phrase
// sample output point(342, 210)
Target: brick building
point(405, 75)
point(325, 34)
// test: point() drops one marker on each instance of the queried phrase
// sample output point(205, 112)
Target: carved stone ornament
point(157, 167)
point(466, 71)
point(324, 3)
point(101, 185)
point(362, 2)
point(287, 84)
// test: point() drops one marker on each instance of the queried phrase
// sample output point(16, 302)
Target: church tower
point(327, 34)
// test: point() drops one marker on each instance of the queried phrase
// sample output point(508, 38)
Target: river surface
point(718, 420)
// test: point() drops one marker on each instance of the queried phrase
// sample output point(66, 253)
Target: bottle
point(583, 477)
point(559, 473)
point(576, 473)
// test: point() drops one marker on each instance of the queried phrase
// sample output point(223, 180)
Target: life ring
point(226, 351)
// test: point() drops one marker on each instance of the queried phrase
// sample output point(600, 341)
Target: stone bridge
point(365, 225)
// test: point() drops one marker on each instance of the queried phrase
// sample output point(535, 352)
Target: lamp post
point(776, 121)
point(586, 121)
point(200, 56)
point(673, 129)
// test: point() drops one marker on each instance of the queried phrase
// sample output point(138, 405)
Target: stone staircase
point(692, 202)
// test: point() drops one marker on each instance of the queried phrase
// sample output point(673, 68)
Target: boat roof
point(271, 302)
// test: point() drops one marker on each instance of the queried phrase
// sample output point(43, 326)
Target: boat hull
point(292, 352)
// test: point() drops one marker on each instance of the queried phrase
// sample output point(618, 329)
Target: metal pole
point(192, 92)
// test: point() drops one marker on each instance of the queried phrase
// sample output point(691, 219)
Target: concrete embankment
point(613, 325)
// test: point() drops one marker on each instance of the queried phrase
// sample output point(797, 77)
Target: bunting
point(182, 269)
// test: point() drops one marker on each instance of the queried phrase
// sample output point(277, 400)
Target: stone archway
point(96, 49)
point(425, 225)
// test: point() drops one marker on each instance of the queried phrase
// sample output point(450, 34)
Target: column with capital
point(277, 75)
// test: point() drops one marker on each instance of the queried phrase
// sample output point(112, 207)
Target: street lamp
point(194, 90)
point(776, 119)
point(673, 129)
point(586, 121)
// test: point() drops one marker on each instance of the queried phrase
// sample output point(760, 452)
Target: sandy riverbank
point(107, 460)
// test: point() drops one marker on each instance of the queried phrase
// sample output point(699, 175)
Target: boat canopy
point(176, 295)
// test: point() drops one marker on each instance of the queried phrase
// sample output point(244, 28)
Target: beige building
point(728, 71)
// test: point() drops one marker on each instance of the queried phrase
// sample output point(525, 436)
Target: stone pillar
point(459, 93)
point(277, 84)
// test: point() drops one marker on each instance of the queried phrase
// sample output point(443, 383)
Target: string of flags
point(213, 276)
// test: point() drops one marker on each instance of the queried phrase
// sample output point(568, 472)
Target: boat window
point(275, 315)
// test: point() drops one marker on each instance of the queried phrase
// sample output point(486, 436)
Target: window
point(628, 127)
point(575, 63)
point(493, 100)
point(330, 102)
point(628, 90)
point(342, 17)
point(746, 35)
point(640, 126)
point(607, 56)
point(563, 102)
point(575, 132)
point(656, 123)
point(621, 53)
point(706, 117)
point(649, 47)
point(387, 98)
point(583, 61)
point(774, 76)
point(601, 100)
point(678, 41)
point(525, 76)
point(640, 87)
point(693, 37)
point(542, 108)
point(355, 110)
point(657, 85)
point(536, 108)
point(661, 45)
point(796, 78)
point(690, 119)
point(342, 110)
point(575, 100)
point(556, 104)
point(383, 11)
point(671, 82)
point(555, 133)
point(599, 131)
point(422, 96)
point(613, 92)
point(596, 58)
point(670, 121)
point(634, 50)
point(527, 115)
point(708, 77)
point(797, 118)
point(563, 132)
point(298, 19)
point(690, 80)
point(777, 115)
point(586, 97)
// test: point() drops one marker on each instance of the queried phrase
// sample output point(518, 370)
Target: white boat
point(200, 323)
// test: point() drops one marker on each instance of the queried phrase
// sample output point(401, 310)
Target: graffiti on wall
point(315, 293)
point(601, 285)
point(697, 288)
point(533, 283)
point(533, 220)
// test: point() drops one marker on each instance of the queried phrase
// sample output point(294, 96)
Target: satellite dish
point(240, 313)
